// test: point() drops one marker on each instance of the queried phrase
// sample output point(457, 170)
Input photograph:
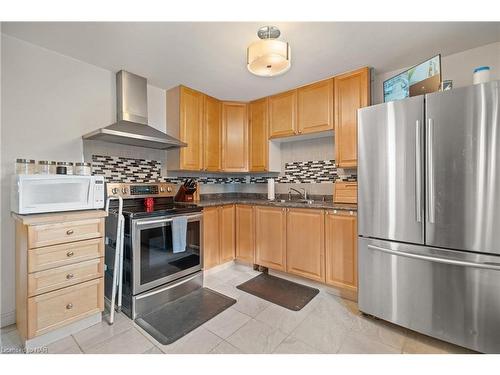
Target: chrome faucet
point(303, 193)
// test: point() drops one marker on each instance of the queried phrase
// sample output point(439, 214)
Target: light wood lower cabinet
point(245, 233)
point(59, 270)
point(270, 237)
point(218, 235)
point(341, 250)
point(305, 251)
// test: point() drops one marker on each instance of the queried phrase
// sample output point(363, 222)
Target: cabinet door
point(245, 233)
point(234, 137)
point(315, 107)
point(270, 237)
point(211, 237)
point(282, 114)
point(305, 250)
point(227, 238)
point(352, 91)
point(341, 250)
point(191, 129)
point(258, 135)
point(212, 134)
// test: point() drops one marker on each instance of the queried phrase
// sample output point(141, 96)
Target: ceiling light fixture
point(269, 56)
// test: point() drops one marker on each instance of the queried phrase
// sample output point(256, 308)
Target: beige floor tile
point(357, 343)
point(199, 341)
point(227, 322)
point(250, 305)
point(291, 345)
point(66, 345)
point(98, 333)
point(332, 309)
point(416, 343)
point(381, 331)
point(227, 290)
point(256, 338)
point(321, 332)
point(225, 348)
point(128, 342)
point(281, 318)
point(11, 343)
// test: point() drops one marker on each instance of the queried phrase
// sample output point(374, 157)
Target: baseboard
point(7, 319)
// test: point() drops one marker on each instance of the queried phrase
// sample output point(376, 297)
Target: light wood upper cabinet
point(234, 137)
point(191, 129)
point(352, 91)
point(227, 241)
point(212, 134)
point(341, 250)
point(282, 114)
point(245, 233)
point(211, 237)
point(315, 107)
point(270, 237)
point(258, 135)
point(305, 252)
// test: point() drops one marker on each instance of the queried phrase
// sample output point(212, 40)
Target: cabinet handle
point(69, 306)
point(69, 254)
point(69, 232)
point(69, 276)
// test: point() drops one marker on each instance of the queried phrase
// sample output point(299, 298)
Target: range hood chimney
point(132, 126)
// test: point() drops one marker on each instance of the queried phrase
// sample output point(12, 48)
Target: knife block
point(184, 195)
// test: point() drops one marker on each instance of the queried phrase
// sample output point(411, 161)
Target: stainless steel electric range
point(153, 274)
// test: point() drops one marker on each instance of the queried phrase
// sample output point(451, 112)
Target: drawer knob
point(69, 306)
point(69, 232)
point(69, 254)
point(70, 276)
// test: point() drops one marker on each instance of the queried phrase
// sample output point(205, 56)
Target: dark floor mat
point(177, 318)
point(282, 292)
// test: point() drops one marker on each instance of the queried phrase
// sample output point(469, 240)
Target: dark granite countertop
point(260, 200)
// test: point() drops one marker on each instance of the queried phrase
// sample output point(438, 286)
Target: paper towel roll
point(270, 189)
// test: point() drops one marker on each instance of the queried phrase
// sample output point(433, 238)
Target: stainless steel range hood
point(132, 126)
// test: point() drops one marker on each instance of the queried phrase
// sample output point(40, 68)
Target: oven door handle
point(166, 220)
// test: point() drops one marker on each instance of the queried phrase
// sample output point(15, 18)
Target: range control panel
point(141, 190)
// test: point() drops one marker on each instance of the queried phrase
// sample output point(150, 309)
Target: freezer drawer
point(450, 295)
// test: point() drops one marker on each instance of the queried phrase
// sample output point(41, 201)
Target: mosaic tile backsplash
point(119, 169)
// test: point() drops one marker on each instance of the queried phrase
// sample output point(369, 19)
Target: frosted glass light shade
point(268, 57)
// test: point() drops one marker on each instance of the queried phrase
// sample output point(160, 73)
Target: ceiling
point(211, 56)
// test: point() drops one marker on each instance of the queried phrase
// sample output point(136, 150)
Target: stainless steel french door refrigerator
point(429, 214)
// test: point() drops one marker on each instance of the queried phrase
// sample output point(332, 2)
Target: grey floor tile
point(250, 305)
point(256, 338)
point(225, 348)
point(416, 343)
point(291, 345)
point(199, 341)
point(323, 333)
point(281, 318)
point(98, 333)
point(357, 343)
point(128, 342)
point(381, 331)
point(227, 322)
point(66, 345)
point(153, 350)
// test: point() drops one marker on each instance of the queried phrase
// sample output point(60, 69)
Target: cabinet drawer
point(49, 311)
point(346, 192)
point(52, 234)
point(61, 277)
point(43, 258)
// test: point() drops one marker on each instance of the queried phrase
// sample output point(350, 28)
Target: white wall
point(457, 67)
point(49, 101)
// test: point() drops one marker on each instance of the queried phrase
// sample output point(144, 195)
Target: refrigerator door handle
point(430, 172)
point(454, 262)
point(418, 171)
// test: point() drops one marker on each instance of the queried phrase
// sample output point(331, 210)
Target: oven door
point(153, 261)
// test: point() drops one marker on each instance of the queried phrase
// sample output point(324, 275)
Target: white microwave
point(37, 193)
